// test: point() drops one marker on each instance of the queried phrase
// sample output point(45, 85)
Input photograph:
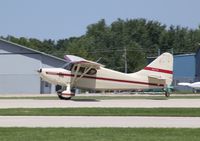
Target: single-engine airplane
point(81, 73)
point(195, 86)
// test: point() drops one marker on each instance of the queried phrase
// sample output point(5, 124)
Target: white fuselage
point(104, 79)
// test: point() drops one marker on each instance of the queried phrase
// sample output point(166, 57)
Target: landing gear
point(168, 90)
point(65, 93)
point(64, 96)
point(194, 91)
point(167, 93)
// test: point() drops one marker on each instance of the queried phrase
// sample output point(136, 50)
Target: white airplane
point(81, 73)
point(195, 85)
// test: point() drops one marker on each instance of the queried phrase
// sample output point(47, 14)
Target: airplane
point(195, 85)
point(85, 74)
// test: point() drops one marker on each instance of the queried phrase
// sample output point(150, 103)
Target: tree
point(139, 37)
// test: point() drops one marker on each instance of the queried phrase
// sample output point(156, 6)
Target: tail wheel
point(167, 94)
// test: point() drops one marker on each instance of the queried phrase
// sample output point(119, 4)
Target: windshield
point(68, 66)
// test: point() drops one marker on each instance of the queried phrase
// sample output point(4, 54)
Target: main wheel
point(63, 98)
point(59, 93)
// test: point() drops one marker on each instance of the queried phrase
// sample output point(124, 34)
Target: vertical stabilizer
point(161, 68)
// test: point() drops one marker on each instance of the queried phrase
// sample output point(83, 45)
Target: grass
point(178, 112)
point(99, 134)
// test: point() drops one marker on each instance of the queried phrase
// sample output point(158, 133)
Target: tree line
point(132, 40)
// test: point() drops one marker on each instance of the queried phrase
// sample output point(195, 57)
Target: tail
point(161, 69)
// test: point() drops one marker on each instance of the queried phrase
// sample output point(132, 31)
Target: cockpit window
point(92, 71)
point(68, 66)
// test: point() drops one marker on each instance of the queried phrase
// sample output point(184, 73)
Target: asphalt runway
point(133, 103)
point(99, 121)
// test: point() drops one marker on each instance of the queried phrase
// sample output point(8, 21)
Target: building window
point(46, 84)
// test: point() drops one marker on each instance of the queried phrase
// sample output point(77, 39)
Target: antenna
point(99, 59)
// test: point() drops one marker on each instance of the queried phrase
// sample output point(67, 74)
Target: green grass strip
point(181, 112)
point(99, 134)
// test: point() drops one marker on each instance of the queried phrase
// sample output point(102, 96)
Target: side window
point(82, 69)
point(68, 66)
point(92, 71)
point(46, 84)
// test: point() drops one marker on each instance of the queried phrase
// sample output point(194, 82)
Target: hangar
point(186, 69)
point(18, 69)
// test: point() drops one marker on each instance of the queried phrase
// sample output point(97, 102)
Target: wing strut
point(78, 77)
point(76, 73)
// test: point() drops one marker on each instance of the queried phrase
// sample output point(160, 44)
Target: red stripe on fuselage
point(106, 79)
point(158, 70)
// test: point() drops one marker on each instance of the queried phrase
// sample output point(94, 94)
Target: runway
point(98, 121)
point(132, 103)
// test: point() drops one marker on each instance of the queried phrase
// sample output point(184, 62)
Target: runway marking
point(96, 121)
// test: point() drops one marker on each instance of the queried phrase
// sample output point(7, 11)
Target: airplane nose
point(39, 71)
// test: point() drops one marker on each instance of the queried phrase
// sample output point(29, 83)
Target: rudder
point(161, 68)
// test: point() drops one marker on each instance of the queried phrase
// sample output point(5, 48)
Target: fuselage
point(85, 74)
point(103, 79)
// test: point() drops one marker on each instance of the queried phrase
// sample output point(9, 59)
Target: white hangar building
point(18, 69)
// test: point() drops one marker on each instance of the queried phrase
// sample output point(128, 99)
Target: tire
point(59, 93)
point(167, 94)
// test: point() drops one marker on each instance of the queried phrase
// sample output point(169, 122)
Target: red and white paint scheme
point(81, 73)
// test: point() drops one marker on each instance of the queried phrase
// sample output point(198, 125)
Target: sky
point(59, 19)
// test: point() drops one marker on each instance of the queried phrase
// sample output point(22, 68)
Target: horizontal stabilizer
point(156, 77)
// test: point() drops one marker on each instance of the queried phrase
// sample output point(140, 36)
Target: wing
point(83, 63)
point(184, 84)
